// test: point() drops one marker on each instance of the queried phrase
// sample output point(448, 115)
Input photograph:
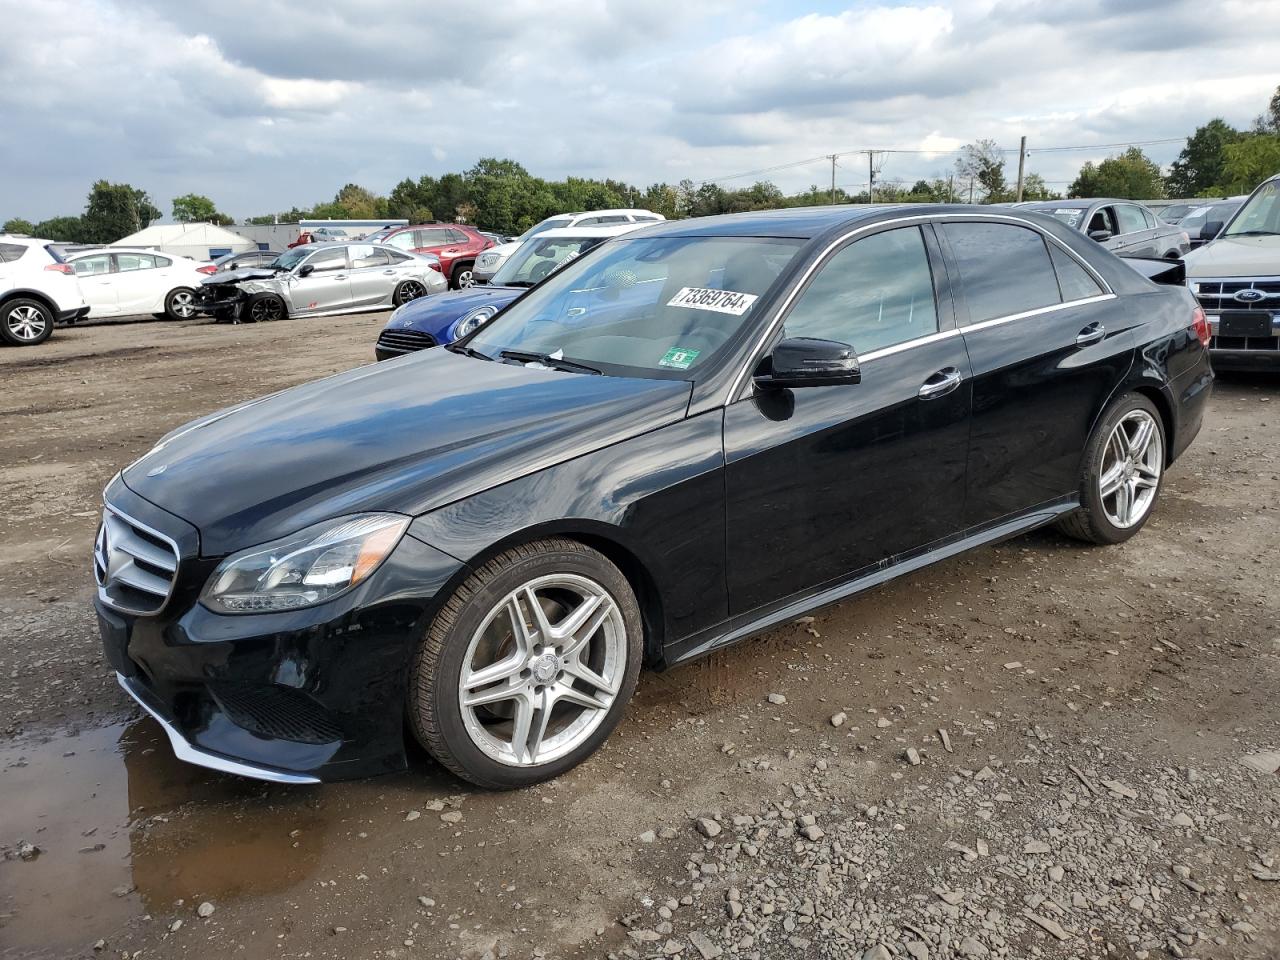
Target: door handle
point(389, 273)
point(1093, 333)
point(941, 383)
point(341, 276)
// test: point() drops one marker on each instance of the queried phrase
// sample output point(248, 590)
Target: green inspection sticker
point(680, 358)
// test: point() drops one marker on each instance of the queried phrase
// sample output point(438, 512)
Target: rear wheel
point(529, 665)
point(1122, 472)
point(408, 290)
point(263, 308)
point(462, 276)
point(25, 322)
point(180, 304)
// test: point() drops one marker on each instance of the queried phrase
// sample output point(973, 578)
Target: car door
point(824, 481)
point(372, 279)
point(98, 284)
point(1049, 345)
point(1136, 237)
point(1103, 220)
point(327, 285)
point(138, 280)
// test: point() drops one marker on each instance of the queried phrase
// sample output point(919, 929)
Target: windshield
point(1260, 214)
point(659, 307)
point(1198, 217)
point(1068, 215)
point(1175, 212)
point(535, 259)
point(291, 258)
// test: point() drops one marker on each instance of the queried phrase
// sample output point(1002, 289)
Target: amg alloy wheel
point(528, 667)
point(180, 304)
point(24, 323)
point(409, 290)
point(1124, 465)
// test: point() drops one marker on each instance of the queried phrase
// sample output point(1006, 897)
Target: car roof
point(150, 250)
point(1077, 203)
point(801, 223)
point(23, 240)
point(605, 230)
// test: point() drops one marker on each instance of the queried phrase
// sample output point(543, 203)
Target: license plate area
point(1253, 324)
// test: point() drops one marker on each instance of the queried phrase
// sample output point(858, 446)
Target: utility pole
point(832, 158)
point(871, 176)
point(1022, 160)
point(951, 188)
point(971, 189)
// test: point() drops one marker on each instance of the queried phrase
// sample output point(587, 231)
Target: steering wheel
point(541, 270)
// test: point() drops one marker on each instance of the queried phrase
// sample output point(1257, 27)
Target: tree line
point(502, 196)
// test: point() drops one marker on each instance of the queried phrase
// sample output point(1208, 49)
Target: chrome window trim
point(736, 385)
point(907, 345)
point(997, 321)
point(1245, 279)
point(173, 582)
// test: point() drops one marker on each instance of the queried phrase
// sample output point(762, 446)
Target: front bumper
point(220, 303)
point(294, 697)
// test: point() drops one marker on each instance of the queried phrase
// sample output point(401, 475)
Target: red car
point(456, 244)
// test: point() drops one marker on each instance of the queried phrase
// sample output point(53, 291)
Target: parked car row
point(1124, 227)
point(492, 260)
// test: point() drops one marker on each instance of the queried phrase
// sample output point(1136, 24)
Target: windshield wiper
point(517, 283)
point(467, 351)
point(548, 360)
point(1252, 233)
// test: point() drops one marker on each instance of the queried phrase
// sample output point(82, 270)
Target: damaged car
point(315, 281)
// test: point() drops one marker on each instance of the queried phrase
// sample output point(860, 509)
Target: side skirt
point(761, 620)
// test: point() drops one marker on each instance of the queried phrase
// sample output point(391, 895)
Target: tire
point(263, 308)
point(462, 276)
point(527, 681)
point(1132, 473)
point(180, 304)
point(408, 290)
point(1172, 255)
point(25, 322)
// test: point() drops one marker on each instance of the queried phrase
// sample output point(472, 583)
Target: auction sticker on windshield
point(679, 357)
point(721, 301)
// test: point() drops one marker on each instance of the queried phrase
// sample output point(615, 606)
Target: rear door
point(1137, 236)
point(372, 279)
point(1049, 345)
point(824, 481)
point(98, 283)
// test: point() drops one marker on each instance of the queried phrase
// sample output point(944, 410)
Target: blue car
point(443, 318)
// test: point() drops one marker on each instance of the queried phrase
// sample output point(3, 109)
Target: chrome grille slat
point(135, 566)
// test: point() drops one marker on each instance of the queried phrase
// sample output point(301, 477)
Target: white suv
point(489, 261)
point(37, 289)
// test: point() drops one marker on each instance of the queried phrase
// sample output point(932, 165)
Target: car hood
point(244, 273)
point(504, 249)
point(407, 435)
point(438, 311)
point(1236, 257)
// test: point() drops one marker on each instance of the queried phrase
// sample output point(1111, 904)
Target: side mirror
point(1100, 235)
point(1211, 229)
point(808, 362)
point(306, 270)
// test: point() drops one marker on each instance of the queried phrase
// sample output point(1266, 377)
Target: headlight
point(310, 567)
point(472, 320)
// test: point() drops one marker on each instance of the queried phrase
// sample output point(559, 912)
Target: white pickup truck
point(1236, 278)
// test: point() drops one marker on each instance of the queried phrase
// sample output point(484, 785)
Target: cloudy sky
point(264, 104)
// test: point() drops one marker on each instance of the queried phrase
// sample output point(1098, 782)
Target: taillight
point(435, 265)
point(208, 268)
point(1200, 324)
point(66, 268)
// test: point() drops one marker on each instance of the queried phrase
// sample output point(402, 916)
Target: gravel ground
point(1036, 750)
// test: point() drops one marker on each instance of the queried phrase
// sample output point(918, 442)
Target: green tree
point(981, 164)
point(193, 208)
point(148, 212)
point(1269, 122)
point(1198, 168)
point(61, 230)
point(360, 203)
point(110, 213)
point(1249, 162)
point(18, 225)
point(412, 199)
point(1131, 175)
point(1034, 188)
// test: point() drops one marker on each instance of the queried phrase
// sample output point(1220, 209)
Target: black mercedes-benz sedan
point(701, 431)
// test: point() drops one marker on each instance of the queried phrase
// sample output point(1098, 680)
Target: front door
point(1049, 346)
point(327, 286)
point(825, 481)
point(98, 284)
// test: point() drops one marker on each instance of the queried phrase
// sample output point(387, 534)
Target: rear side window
point(1073, 279)
point(874, 293)
point(126, 262)
point(9, 252)
point(457, 236)
point(434, 237)
point(1005, 269)
point(395, 256)
point(368, 256)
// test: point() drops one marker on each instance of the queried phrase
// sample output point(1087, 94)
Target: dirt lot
point(1088, 797)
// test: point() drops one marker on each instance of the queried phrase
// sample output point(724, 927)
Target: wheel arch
point(25, 294)
point(1165, 407)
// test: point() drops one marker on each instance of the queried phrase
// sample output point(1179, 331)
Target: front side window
point(661, 307)
point(1005, 269)
point(93, 266)
point(535, 259)
point(333, 258)
point(874, 293)
point(1130, 217)
point(1104, 218)
point(1260, 214)
point(401, 241)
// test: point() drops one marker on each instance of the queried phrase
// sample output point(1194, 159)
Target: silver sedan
point(315, 280)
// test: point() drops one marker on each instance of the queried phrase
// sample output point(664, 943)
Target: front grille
point(135, 566)
point(276, 712)
point(405, 341)
point(1219, 295)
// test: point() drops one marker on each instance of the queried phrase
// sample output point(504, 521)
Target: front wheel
point(264, 308)
point(529, 665)
point(1122, 472)
point(180, 304)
